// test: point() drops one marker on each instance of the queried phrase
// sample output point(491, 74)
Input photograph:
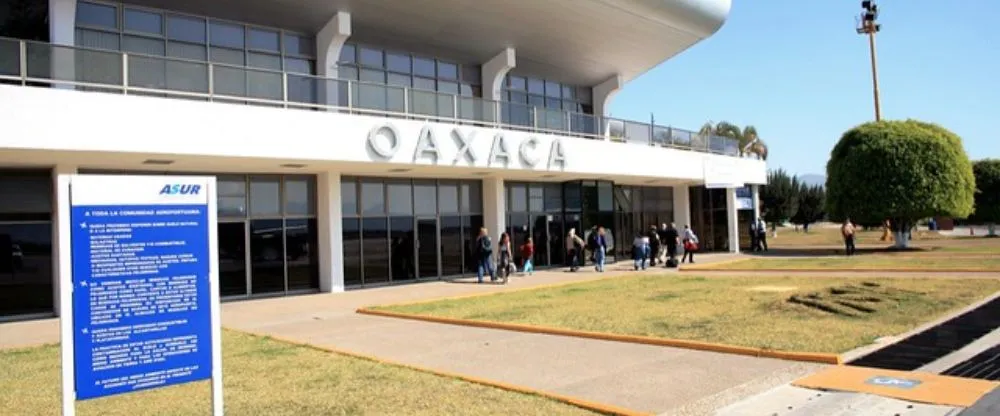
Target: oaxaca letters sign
point(385, 142)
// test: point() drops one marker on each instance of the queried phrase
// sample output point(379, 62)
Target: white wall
point(40, 118)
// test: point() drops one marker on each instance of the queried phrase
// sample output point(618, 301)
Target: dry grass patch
point(727, 310)
point(914, 262)
point(268, 377)
point(821, 236)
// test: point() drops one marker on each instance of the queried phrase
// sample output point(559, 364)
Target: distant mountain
point(812, 179)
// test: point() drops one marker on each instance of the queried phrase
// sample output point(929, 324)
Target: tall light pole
point(867, 25)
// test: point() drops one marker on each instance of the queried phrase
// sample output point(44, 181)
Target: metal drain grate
point(935, 342)
point(984, 366)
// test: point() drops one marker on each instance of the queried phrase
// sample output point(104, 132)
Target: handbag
point(690, 246)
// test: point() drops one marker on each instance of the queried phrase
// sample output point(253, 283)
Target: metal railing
point(30, 63)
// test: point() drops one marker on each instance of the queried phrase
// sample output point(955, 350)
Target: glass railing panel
point(615, 129)
point(583, 124)
point(516, 114)
point(377, 97)
point(661, 136)
point(477, 109)
point(305, 89)
point(636, 132)
point(732, 147)
point(553, 120)
point(62, 63)
point(152, 72)
point(423, 103)
point(265, 85)
point(717, 144)
point(10, 57)
point(680, 137)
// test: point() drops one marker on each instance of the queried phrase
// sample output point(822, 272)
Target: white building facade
point(359, 143)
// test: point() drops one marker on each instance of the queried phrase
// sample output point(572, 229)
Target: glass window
point(100, 15)
point(265, 40)
point(423, 67)
point(553, 89)
point(26, 276)
point(424, 84)
point(517, 197)
point(267, 248)
point(447, 70)
point(300, 195)
point(143, 21)
point(348, 197)
point(352, 251)
point(571, 106)
point(536, 198)
point(371, 75)
point(299, 45)
point(232, 258)
point(516, 83)
point(553, 197)
point(98, 39)
point(227, 56)
point(226, 34)
point(263, 60)
point(372, 198)
point(583, 95)
point(187, 29)
point(536, 86)
point(400, 198)
point(375, 249)
point(517, 97)
point(553, 103)
point(536, 101)
point(301, 239)
point(143, 45)
point(472, 74)
point(448, 197)
point(425, 198)
point(398, 62)
point(399, 80)
point(371, 57)
point(568, 92)
point(298, 66)
point(265, 195)
point(605, 197)
point(448, 87)
point(186, 51)
point(231, 185)
point(348, 54)
point(347, 72)
point(22, 193)
point(451, 245)
point(472, 198)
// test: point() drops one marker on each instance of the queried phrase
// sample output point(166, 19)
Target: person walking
point(690, 241)
point(754, 242)
point(847, 231)
point(505, 255)
point(761, 234)
point(527, 255)
point(574, 249)
point(671, 239)
point(654, 244)
point(640, 251)
point(600, 250)
point(484, 251)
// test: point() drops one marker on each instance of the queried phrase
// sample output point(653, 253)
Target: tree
point(987, 199)
point(748, 140)
point(779, 197)
point(810, 205)
point(899, 171)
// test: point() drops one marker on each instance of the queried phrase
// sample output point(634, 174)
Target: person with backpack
point(484, 252)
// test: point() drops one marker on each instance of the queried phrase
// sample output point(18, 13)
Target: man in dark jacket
point(654, 244)
point(484, 252)
point(670, 239)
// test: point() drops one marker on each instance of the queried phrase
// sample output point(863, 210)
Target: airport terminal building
point(359, 143)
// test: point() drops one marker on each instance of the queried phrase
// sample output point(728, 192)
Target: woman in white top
point(690, 242)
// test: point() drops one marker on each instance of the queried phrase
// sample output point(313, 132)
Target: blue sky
point(798, 71)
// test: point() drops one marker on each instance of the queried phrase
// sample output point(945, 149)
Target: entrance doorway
point(428, 248)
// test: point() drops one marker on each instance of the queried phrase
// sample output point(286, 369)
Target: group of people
point(647, 249)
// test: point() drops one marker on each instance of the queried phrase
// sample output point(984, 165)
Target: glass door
point(267, 251)
point(540, 236)
point(427, 248)
point(232, 258)
point(557, 240)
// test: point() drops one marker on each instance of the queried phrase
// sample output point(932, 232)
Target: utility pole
point(867, 25)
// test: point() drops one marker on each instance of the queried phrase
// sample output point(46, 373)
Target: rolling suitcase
point(672, 262)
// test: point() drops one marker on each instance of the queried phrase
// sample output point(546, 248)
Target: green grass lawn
point(928, 262)
point(268, 377)
point(806, 314)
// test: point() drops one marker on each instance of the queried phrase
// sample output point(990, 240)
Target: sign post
point(140, 304)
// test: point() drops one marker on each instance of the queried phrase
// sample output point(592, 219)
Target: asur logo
point(178, 189)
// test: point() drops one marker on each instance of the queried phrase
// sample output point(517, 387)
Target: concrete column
point(494, 71)
point(682, 206)
point(494, 208)
point(755, 191)
point(62, 31)
point(329, 41)
point(331, 241)
point(602, 95)
point(60, 230)
point(732, 220)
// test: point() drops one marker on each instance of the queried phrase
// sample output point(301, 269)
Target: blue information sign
point(142, 297)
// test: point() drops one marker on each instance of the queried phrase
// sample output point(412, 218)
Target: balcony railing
point(41, 64)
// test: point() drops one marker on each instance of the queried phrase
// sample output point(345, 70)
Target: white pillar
point(60, 229)
point(494, 208)
point(682, 206)
point(329, 41)
point(755, 191)
point(331, 233)
point(732, 209)
point(602, 95)
point(62, 31)
point(494, 71)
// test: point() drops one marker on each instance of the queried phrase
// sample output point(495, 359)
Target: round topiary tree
point(987, 173)
point(900, 171)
